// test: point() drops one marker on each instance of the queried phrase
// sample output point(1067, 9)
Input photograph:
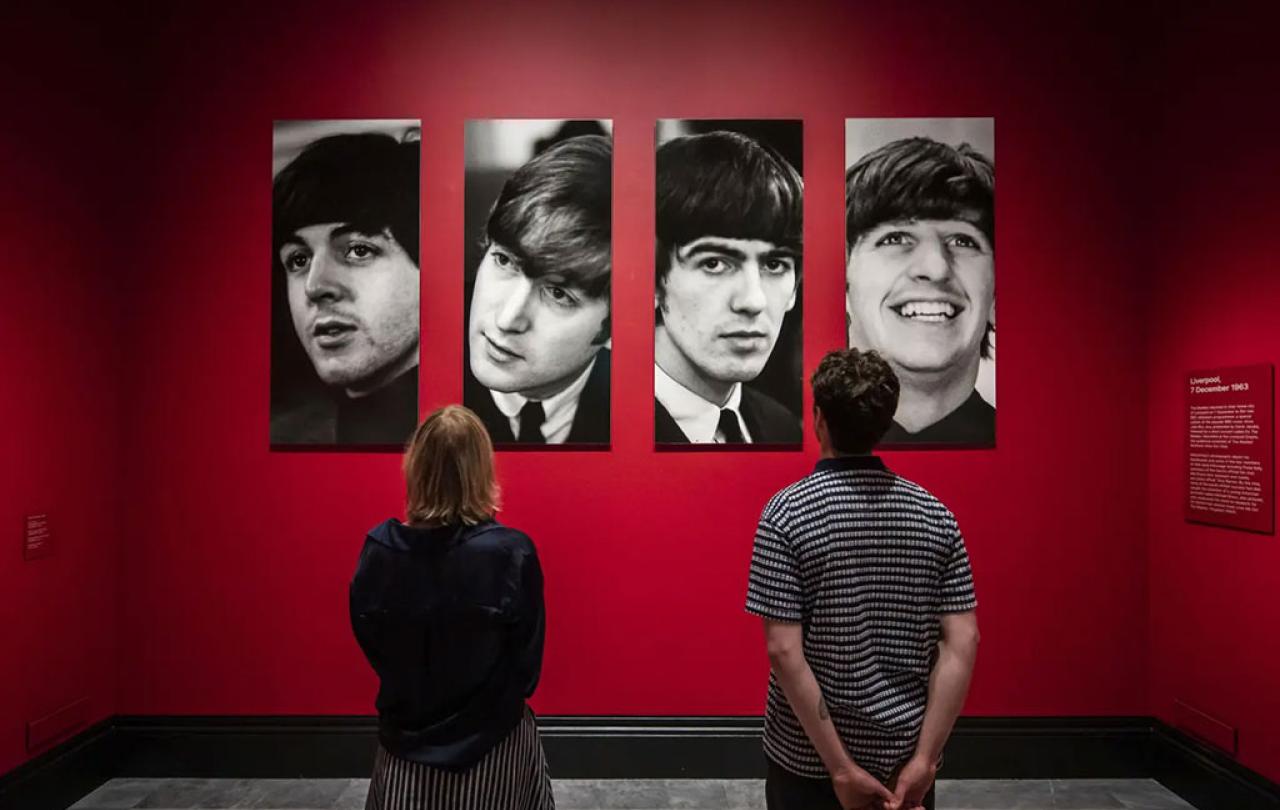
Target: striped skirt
point(513, 776)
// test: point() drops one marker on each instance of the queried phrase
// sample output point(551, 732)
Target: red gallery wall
point(238, 558)
point(1213, 300)
point(60, 411)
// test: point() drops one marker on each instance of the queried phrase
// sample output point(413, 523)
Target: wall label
point(1231, 447)
point(36, 541)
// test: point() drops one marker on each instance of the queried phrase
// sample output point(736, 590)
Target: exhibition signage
point(1230, 448)
point(36, 542)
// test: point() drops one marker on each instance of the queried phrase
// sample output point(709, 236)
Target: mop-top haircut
point(367, 180)
point(554, 214)
point(728, 185)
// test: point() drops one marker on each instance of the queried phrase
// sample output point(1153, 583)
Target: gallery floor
point(637, 794)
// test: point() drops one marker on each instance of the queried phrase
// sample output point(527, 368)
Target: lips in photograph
point(332, 333)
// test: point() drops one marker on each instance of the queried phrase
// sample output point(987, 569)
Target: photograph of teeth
point(920, 271)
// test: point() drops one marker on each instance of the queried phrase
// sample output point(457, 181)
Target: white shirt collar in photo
point(559, 409)
point(697, 418)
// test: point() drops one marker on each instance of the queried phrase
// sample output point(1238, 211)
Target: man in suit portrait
point(920, 283)
point(345, 290)
point(728, 261)
point(539, 325)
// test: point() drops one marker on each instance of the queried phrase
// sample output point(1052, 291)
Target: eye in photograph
point(537, 270)
point(727, 307)
point(920, 271)
point(345, 286)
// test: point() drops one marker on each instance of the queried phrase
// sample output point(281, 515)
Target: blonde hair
point(448, 470)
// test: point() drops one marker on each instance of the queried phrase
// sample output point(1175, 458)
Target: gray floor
point(633, 794)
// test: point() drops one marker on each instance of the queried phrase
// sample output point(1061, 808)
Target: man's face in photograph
point(723, 302)
point(531, 336)
point(354, 301)
point(921, 292)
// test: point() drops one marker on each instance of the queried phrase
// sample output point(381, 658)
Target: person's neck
point(825, 448)
point(831, 452)
point(672, 361)
point(926, 397)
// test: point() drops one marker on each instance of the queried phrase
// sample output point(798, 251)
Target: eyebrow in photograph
point(561, 280)
point(295, 238)
point(349, 229)
point(711, 244)
point(517, 256)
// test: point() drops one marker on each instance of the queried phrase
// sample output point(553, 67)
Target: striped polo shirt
point(867, 562)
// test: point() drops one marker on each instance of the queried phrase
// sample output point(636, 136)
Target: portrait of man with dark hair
point(920, 271)
point(538, 308)
point(729, 219)
point(345, 283)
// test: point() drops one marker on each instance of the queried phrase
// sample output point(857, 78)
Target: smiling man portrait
point(728, 265)
point(920, 283)
point(345, 243)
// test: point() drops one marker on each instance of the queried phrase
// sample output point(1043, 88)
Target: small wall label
point(37, 542)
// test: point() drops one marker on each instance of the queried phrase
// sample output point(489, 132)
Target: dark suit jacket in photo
point(768, 421)
point(590, 423)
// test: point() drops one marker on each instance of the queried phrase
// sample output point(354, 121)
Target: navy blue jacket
point(452, 620)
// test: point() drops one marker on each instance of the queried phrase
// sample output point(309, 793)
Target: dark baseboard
point(577, 747)
point(1048, 748)
point(236, 747)
point(625, 747)
point(653, 747)
point(620, 747)
point(1206, 777)
point(60, 776)
point(729, 747)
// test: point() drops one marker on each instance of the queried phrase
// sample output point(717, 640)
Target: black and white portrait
point(920, 270)
point(345, 282)
point(538, 280)
point(727, 305)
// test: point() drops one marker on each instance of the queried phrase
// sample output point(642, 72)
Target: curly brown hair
point(857, 393)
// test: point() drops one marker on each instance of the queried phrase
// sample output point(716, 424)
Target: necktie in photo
point(729, 428)
point(531, 418)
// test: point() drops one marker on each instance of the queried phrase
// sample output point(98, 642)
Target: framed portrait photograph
point(920, 283)
point(344, 283)
point(728, 309)
point(538, 280)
